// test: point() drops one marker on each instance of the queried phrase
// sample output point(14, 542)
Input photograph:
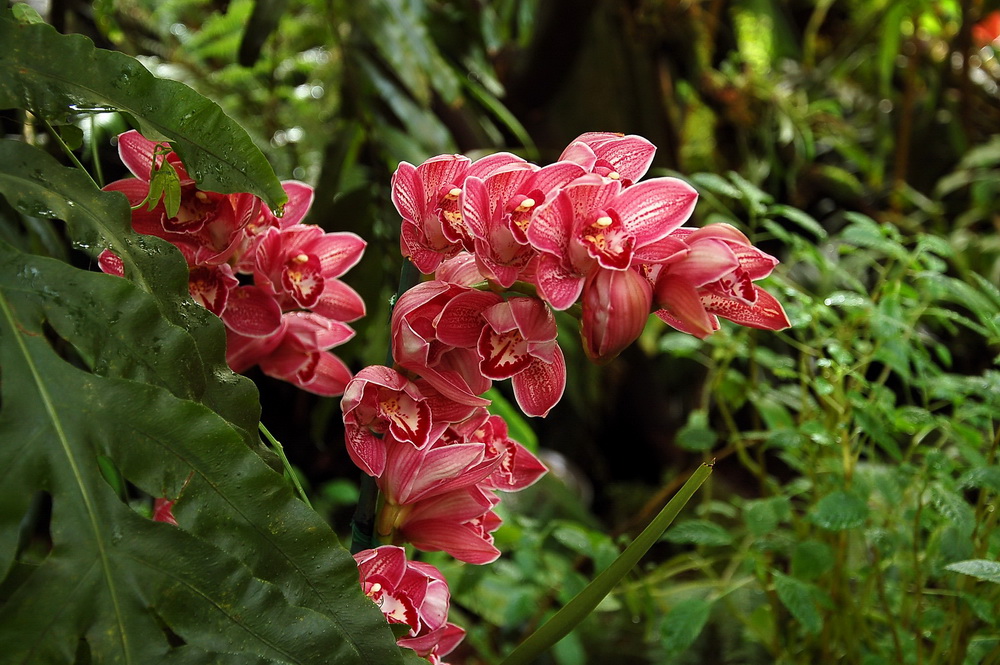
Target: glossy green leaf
point(58, 76)
point(839, 510)
point(251, 572)
point(982, 569)
point(800, 598)
point(683, 623)
point(698, 532)
point(185, 352)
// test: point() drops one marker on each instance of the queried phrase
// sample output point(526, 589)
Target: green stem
point(278, 448)
point(95, 154)
point(577, 609)
point(69, 153)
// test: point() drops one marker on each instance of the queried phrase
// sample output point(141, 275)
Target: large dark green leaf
point(175, 343)
point(251, 576)
point(54, 75)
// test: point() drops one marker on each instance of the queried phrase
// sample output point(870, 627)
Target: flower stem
point(278, 448)
point(65, 148)
point(363, 522)
point(577, 609)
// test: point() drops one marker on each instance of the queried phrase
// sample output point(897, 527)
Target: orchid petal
point(540, 386)
point(557, 285)
point(707, 261)
point(300, 199)
point(681, 300)
point(338, 252)
point(461, 320)
point(766, 312)
point(339, 302)
point(252, 312)
point(652, 209)
point(111, 263)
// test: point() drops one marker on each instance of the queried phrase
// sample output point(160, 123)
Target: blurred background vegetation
point(852, 514)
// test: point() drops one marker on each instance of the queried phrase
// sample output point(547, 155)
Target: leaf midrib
point(64, 442)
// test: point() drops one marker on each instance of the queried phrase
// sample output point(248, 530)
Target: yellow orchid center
point(603, 222)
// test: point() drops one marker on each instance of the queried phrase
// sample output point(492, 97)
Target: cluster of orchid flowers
point(505, 243)
point(290, 308)
point(508, 242)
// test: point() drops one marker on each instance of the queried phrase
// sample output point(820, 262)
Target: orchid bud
point(616, 305)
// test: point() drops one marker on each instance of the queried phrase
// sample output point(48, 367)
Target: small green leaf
point(696, 435)
point(698, 532)
point(839, 510)
point(981, 569)
point(762, 516)
point(811, 559)
point(800, 598)
point(803, 219)
point(683, 623)
point(985, 477)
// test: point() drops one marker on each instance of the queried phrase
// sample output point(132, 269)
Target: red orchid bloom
point(715, 279)
point(300, 265)
point(411, 593)
point(592, 224)
point(460, 523)
point(614, 156)
point(300, 198)
point(298, 352)
point(435, 327)
point(208, 226)
point(380, 401)
point(519, 342)
point(498, 209)
point(518, 469)
point(412, 475)
point(426, 197)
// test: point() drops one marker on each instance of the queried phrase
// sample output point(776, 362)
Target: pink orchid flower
point(412, 475)
point(518, 468)
point(460, 523)
point(614, 156)
point(207, 227)
point(519, 343)
point(433, 498)
point(246, 310)
point(380, 401)
point(435, 326)
point(300, 198)
point(498, 209)
point(426, 197)
point(298, 352)
point(411, 593)
point(715, 279)
point(593, 224)
point(300, 265)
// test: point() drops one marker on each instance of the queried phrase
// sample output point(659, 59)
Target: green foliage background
point(852, 513)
